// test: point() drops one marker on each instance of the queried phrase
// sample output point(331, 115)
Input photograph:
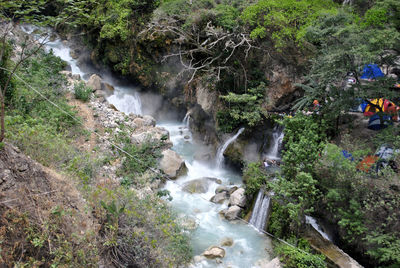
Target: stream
point(249, 245)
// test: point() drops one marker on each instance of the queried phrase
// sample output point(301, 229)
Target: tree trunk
point(2, 115)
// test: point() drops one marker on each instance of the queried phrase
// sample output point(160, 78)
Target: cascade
point(221, 150)
point(260, 212)
point(186, 120)
point(313, 222)
point(125, 98)
point(277, 138)
point(248, 245)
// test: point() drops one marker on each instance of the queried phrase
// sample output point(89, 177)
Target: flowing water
point(221, 150)
point(124, 97)
point(261, 210)
point(249, 246)
point(313, 222)
point(277, 138)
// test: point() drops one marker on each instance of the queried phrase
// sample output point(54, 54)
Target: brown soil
point(87, 115)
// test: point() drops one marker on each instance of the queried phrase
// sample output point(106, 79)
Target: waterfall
point(260, 212)
point(186, 120)
point(221, 150)
point(277, 138)
point(313, 222)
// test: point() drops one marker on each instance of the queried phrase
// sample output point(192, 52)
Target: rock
point(214, 252)
point(226, 242)
point(198, 258)
point(73, 54)
point(76, 76)
point(238, 198)
point(112, 106)
point(232, 213)
point(172, 164)
point(266, 263)
point(221, 189)
point(196, 186)
point(95, 82)
point(139, 121)
point(219, 198)
point(187, 137)
point(232, 189)
point(108, 86)
point(149, 120)
point(188, 223)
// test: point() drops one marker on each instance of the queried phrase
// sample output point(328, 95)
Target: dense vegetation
point(232, 47)
point(128, 230)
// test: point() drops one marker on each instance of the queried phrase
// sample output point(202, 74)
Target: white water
point(125, 98)
point(260, 212)
point(186, 120)
point(249, 244)
point(313, 222)
point(221, 150)
point(277, 138)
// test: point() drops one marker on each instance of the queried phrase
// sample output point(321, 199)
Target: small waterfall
point(186, 120)
point(277, 138)
point(313, 222)
point(260, 212)
point(221, 150)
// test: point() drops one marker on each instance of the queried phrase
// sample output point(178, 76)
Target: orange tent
point(367, 162)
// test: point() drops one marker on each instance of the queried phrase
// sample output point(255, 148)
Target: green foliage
point(300, 257)
point(255, 177)
point(244, 109)
point(285, 21)
point(143, 231)
point(82, 92)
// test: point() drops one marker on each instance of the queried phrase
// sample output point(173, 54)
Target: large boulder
point(149, 120)
point(197, 186)
point(172, 164)
point(238, 198)
point(231, 213)
point(214, 252)
point(227, 242)
point(95, 82)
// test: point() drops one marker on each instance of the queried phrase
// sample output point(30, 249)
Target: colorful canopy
point(371, 71)
point(383, 106)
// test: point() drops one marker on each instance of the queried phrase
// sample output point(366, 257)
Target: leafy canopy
point(286, 20)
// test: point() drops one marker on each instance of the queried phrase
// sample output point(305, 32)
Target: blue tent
point(375, 122)
point(371, 71)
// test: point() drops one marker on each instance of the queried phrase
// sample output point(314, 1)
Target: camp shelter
point(375, 122)
point(378, 105)
point(371, 71)
point(367, 163)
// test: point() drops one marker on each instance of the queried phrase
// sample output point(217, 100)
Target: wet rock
point(172, 164)
point(188, 223)
point(266, 263)
point(109, 87)
point(214, 252)
point(95, 82)
point(198, 258)
point(76, 77)
point(232, 213)
point(112, 106)
point(221, 189)
point(74, 54)
point(232, 189)
point(226, 242)
point(197, 186)
point(238, 198)
point(219, 198)
point(187, 137)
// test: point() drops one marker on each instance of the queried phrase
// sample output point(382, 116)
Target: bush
point(255, 177)
point(300, 257)
point(82, 92)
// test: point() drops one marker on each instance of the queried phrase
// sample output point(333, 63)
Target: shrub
point(82, 92)
point(300, 257)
